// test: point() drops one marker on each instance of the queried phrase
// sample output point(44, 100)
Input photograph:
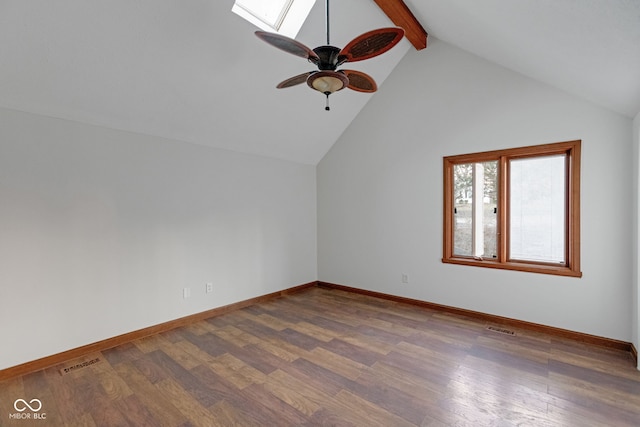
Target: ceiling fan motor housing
point(328, 57)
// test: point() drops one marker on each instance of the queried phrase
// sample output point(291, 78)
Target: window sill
point(516, 266)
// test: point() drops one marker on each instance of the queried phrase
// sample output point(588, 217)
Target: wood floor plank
point(279, 324)
point(443, 355)
point(150, 397)
point(264, 320)
point(272, 347)
point(317, 376)
point(136, 412)
point(123, 353)
point(338, 327)
point(236, 371)
point(183, 357)
point(311, 330)
point(334, 362)
point(258, 358)
point(509, 360)
point(606, 365)
point(507, 374)
point(109, 416)
point(295, 393)
point(408, 380)
point(250, 326)
point(224, 414)
point(210, 343)
point(151, 370)
point(152, 343)
point(237, 336)
point(113, 385)
point(591, 405)
point(197, 414)
point(368, 412)
point(518, 407)
point(272, 410)
point(185, 378)
point(326, 418)
point(420, 367)
point(528, 393)
point(434, 339)
point(194, 351)
point(356, 352)
point(515, 346)
point(85, 421)
point(472, 413)
point(299, 339)
point(589, 394)
point(67, 408)
point(368, 343)
point(564, 413)
point(397, 401)
point(390, 327)
point(596, 377)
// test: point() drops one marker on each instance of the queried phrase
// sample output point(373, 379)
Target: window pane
point(537, 207)
point(475, 203)
point(463, 198)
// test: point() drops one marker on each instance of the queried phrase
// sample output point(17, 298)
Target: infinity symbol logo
point(26, 405)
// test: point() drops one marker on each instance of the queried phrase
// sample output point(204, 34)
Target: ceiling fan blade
point(288, 45)
point(360, 81)
point(372, 43)
point(295, 80)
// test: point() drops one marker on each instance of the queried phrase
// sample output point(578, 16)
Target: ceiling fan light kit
point(327, 82)
point(327, 58)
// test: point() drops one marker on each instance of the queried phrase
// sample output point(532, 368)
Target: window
point(281, 16)
point(515, 209)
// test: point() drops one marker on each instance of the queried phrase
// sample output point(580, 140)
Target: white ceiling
point(193, 71)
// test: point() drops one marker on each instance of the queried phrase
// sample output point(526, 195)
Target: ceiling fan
point(328, 58)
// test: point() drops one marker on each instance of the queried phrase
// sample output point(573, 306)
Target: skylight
point(280, 16)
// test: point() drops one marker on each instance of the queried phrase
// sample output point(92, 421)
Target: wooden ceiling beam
point(401, 16)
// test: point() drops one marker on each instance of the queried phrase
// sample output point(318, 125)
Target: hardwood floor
point(328, 357)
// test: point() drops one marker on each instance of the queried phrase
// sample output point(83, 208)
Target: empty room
point(314, 212)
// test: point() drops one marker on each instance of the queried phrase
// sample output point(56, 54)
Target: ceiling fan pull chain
point(327, 105)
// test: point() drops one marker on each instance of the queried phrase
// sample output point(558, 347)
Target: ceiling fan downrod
point(326, 20)
point(326, 9)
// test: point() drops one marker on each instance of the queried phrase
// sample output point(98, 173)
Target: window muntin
point(516, 209)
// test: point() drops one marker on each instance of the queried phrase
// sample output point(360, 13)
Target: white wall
point(380, 192)
point(100, 230)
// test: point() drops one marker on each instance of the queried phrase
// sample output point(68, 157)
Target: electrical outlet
point(209, 287)
point(405, 278)
point(186, 292)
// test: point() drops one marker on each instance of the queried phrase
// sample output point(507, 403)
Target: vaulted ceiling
point(193, 71)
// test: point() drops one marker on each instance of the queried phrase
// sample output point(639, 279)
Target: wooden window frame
point(572, 213)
